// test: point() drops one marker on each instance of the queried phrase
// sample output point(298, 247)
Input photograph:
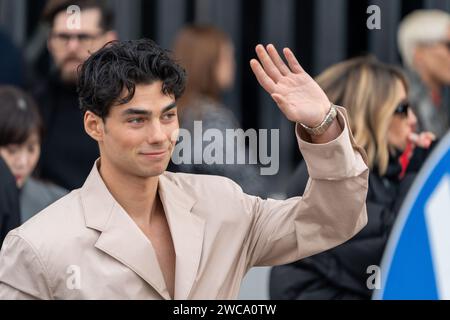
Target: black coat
point(341, 273)
point(9, 202)
point(68, 153)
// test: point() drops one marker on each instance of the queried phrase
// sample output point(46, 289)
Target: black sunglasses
point(402, 108)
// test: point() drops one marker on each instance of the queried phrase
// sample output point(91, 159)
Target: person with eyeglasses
point(383, 123)
point(78, 28)
point(424, 43)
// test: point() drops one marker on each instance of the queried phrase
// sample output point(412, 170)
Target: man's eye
point(136, 120)
point(169, 116)
point(84, 37)
point(63, 36)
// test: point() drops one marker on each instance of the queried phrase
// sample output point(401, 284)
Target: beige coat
point(85, 246)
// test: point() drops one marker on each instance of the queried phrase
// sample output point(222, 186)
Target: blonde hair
point(421, 27)
point(368, 89)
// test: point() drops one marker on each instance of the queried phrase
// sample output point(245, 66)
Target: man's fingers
point(270, 68)
point(279, 63)
point(292, 60)
point(264, 80)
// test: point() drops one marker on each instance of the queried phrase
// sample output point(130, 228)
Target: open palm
point(298, 96)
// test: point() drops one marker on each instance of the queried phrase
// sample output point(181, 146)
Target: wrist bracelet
point(324, 125)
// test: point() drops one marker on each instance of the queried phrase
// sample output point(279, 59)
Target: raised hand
point(297, 95)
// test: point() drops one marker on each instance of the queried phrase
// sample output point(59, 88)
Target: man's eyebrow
point(134, 111)
point(169, 107)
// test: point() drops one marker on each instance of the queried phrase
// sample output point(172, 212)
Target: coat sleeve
point(331, 211)
point(22, 273)
point(339, 273)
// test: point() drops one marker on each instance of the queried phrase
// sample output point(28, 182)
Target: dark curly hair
point(121, 65)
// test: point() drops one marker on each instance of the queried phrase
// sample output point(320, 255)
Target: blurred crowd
point(397, 114)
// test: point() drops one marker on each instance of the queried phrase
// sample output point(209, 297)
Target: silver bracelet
point(324, 125)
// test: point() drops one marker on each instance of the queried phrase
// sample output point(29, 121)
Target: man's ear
point(94, 126)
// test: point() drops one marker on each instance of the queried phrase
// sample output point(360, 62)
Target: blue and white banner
point(416, 262)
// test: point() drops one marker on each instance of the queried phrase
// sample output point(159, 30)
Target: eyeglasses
point(84, 39)
point(402, 109)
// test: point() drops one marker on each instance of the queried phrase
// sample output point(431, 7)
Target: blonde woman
point(375, 95)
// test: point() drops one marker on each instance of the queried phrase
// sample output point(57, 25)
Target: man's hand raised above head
point(297, 95)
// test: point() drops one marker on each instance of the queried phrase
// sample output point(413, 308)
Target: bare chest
point(159, 235)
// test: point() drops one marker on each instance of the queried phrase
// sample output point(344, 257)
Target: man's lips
point(154, 154)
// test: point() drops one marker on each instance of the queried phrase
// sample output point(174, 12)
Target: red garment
point(405, 158)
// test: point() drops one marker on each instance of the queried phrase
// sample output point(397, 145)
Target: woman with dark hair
point(20, 139)
point(207, 54)
point(375, 96)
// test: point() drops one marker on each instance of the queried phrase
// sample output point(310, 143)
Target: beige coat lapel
point(120, 237)
point(187, 232)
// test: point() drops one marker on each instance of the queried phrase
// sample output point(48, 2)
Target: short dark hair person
point(19, 116)
point(121, 65)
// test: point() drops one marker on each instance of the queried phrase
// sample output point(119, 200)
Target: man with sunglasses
point(77, 29)
point(424, 42)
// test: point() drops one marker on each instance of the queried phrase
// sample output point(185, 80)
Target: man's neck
point(136, 195)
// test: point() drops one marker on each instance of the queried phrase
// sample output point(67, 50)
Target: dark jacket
point(68, 153)
point(12, 67)
point(341, 273)
point(9, 202)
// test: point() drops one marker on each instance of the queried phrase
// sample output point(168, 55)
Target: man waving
point(136, 231)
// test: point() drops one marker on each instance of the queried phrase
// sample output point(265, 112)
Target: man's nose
point(155, 133)
point(73, 44)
